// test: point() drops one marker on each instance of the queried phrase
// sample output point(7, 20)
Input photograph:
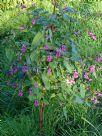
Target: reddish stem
point(41, 115)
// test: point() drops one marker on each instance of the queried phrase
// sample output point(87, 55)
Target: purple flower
point(86, 76)
point(36, 103)
point(75, 33)
point(10, 72)
point(30, 91)
point(63, 48)
point(49, 71)
point(33, 21)
point(23, 48)
point(15, 70)
point(58, 52)
point(46, 47)
point(92, 35)
point(24, 68)
point(49, 58)
point(99, 94)
point(99, 59)
point(23, 6)
point(20, 93)
point(92, 69)
point(95, 100)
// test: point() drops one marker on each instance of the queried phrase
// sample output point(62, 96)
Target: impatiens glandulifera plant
point(51, 67)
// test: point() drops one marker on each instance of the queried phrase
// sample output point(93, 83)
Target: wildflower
point(46, 47)
point(99, 94)
point(33, 21)
point(49, 71)
point(23, 6)
point(92, 69)
point(9, 72)
point(63, 48)
point(36, 103)
point(99, 59)
point(90, 33)
point(20, 93)
point(95, 100)
point(71, 82)
point(86, 76)
point(75, 75)
point(58, 53)
point(23, 48)
point(24, 68)
point(49, 58)
point(93, 37)
point(15, 69)
point(30, 91)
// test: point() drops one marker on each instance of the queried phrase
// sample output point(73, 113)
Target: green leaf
point(9, 54)
point(46, 82)
point(34, 56)
point(53, 95)
point(68, 66)
point(37, 40)
point(78, 100)
point(82, 90)
point(65, 112)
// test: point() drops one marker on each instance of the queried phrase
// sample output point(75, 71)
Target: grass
point(16, 116)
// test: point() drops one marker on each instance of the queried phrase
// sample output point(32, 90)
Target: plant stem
point(54, 8)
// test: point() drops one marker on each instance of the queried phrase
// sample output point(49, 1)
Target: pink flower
point(92, 69)
point(75, 75)
point(33, 21)
point(58, 53)
point(49, 58)
point(90, 33)
point(95, 100)
point(99, 94)
point(71, 82)
point(36, 103)
point(20, 93)
point(99, 59)
point(49, 71)
point(46, 47)
point(86, 76)
point(93, 37)
point(23, 48)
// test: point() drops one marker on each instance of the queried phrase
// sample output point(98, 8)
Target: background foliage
point(17, 117)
